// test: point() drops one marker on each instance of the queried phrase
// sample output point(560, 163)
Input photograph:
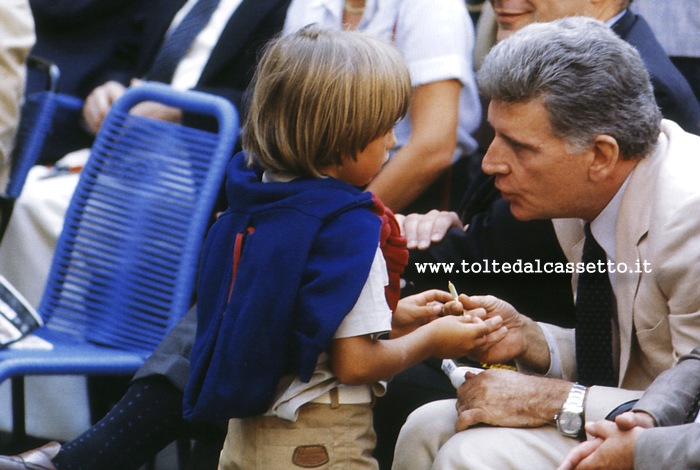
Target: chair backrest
point(124, 267)
point(35, 122)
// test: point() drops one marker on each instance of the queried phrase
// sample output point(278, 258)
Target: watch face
point(570, 422)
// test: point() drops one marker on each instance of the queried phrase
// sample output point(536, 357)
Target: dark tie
point(595, 308)
point(176, 44)
point(693, 413)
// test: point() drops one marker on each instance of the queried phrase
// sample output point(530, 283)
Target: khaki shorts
point(325, 437)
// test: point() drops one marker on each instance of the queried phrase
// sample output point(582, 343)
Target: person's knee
point(487, 447)
point(43, 201)
point(425, 431)
point(440, 415)
point(33, 194)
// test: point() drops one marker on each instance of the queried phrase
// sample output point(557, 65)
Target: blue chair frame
point(35, 123)
point(124, 268)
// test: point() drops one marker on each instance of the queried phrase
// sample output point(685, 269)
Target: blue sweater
point(279, 271)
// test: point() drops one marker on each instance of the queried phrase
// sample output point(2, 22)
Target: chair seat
point(68, 357)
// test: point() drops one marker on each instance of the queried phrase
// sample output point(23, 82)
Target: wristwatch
point(570, 419)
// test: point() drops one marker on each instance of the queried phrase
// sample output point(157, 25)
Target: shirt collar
point(604, 227)
point(615, 18)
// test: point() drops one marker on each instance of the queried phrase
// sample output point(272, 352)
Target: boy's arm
point(361, 360)
point(419, 309)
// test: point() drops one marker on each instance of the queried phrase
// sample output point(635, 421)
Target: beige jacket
point(16, 39)
point(658, 312)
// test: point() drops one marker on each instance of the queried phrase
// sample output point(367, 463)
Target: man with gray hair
point(578, 139)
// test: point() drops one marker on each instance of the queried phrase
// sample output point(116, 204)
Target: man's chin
point(521, 214)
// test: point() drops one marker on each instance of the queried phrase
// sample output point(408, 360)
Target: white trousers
point(56, 406)
point(428, 441)
point(27, 248)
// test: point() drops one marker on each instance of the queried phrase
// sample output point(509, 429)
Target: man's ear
point(606, 154)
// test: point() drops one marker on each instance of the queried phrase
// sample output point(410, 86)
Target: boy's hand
point(455, 336)
point(417, 310)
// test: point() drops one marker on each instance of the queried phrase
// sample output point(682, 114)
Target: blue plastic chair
point(35, 124)
point(124, 267)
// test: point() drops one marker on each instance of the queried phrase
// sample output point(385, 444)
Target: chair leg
point(19, 430)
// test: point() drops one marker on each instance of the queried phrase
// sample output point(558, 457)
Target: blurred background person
point(676, 25)
point(16, 39)
point(429, 166)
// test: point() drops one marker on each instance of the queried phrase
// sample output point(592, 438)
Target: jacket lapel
point(623, 26)
point(632, 227)
point(571, 237)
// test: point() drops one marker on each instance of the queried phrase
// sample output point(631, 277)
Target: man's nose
point(493, 162)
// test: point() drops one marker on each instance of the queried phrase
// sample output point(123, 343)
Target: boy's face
point(367, 163)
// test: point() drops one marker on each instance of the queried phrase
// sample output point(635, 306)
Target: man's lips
point(508, 16)
point(507, 195)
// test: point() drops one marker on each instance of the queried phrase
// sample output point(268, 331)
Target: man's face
point(512, 15)
point(533, 169)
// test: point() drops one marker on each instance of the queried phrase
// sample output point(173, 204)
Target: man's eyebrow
point(513, 142)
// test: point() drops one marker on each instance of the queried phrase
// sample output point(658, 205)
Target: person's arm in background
point(437, 44)
point(17, 38)
point(428, 152)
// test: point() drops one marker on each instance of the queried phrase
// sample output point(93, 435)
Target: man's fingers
point(601, 428)
point(578, 453)
point(99, 102)
point(472, 302)
point(443, 222)
point(421, 230)
point(493, 323)
point(453, 308)
point(409, 228)
point(467, 418)
point(426, 230)
point(630, 419)
point(496, 335)
point(400, 219)
point(436, 295)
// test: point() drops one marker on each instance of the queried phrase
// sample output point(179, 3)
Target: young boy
point(300, 275)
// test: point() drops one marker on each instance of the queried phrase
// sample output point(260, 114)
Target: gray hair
point(590, 81)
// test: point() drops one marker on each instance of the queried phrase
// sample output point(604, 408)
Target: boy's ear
point(606, 154)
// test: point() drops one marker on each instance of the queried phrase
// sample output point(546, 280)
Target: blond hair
point(319, 95)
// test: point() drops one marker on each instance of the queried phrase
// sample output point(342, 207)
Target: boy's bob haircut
point(321, 95)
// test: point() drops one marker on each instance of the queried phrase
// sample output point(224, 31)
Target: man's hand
point(612, 448)
point(99, 102)
point(421, 230)
point(507, 398)
point(513, 345)
point(161, 112)
point(631, 419)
